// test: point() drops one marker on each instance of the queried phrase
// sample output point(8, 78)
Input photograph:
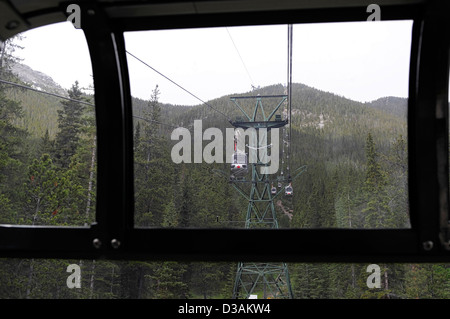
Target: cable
point(167, 78)
point(148, 120)
point(43, 92)
point(242, 60)
point(290, 31)
point(73, 100)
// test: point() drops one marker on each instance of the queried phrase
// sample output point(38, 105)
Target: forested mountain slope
point(330, 134)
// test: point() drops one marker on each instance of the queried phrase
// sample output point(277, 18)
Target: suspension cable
point(43, 92)
point(73, 100)
point(290, 31)
point(242, 60)
point(167, 78)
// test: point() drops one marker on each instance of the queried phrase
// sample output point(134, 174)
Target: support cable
point(43, 92)
point(242, 60)
point(290, 29)
point(73, 100)
point(170, 80)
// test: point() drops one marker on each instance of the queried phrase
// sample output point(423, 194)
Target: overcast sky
point(361, 61)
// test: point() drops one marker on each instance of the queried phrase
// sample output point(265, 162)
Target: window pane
point(340, 161)
point(48, 147)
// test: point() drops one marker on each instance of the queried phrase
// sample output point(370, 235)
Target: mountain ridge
point(311, 107)
point(37, 79)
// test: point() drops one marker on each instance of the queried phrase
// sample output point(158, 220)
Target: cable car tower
point(270, 278)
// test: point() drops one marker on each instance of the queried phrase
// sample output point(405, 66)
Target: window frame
point(114, 236)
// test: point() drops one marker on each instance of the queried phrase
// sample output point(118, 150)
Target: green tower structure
point(271, 280)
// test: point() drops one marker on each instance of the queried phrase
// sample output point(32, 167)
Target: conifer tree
point(70, 124)
point(168, 281)
point(397, 183)
point(7, 56)
point(376, 208)
point(151, 130)
point(13, 150)
point(416, 282)
point(205, 279)
point(153, 168)
point(46, 144)
point(374, 176)
point(42, 191)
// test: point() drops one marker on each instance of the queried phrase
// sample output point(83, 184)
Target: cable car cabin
point(288, 190)
point(279, 185)
point(239, 163)
point(273, 190)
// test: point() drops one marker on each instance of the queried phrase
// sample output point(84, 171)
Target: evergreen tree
point(416, 282)
point(42, 192)
point(154, 172)
point(151, 130)
point(8, 57)
point(137, 137)
point(13, 152)
point(52, 196)
point(168, 281)
point(170, 215)
point(46, 144)
point(205, 280)
point(397, 183)
point(70, 122)
point(376, 208)
point(186, 208)
point(374, 176)
point(439, 281)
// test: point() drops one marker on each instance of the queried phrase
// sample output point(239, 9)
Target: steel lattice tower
point(270, 278)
